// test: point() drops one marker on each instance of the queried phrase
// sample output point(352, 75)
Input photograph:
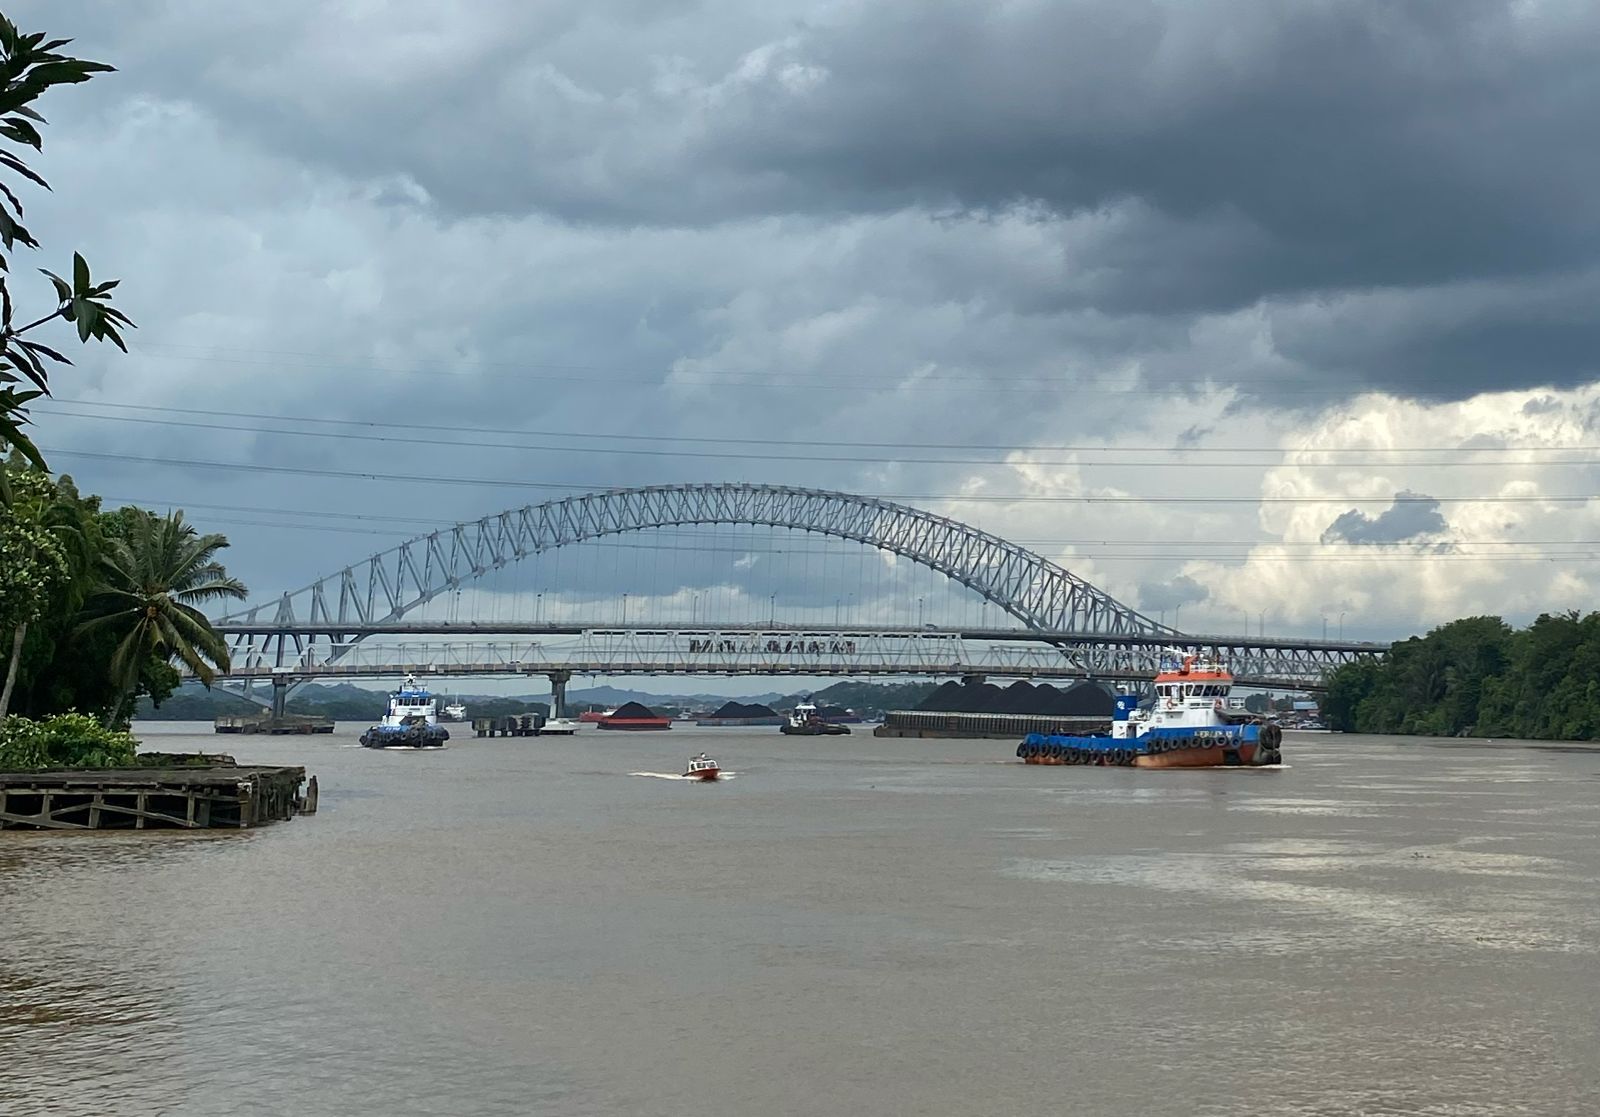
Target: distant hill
point(349, 702)
point(867, 699)
point(342, 702)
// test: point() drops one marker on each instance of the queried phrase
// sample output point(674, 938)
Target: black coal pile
point(1084, 700)
point(1021, 697)
point(741, 710)
point(634, 710)
point(943, 698)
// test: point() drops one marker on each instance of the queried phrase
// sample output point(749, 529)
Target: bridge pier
point(558, 693)
point(280, 693)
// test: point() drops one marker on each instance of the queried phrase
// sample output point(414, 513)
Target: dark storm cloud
point(1182, 590)
point(1403, 191)
point(1412, 516)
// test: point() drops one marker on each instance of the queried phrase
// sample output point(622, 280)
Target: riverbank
point(1488, 743)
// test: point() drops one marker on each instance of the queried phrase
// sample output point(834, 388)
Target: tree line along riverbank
point(1478, 677)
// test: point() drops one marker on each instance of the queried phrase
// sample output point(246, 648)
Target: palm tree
point(153, 580)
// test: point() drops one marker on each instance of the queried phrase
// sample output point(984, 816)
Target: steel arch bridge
point(321, 623)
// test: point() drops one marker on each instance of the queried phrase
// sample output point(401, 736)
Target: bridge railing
point(747, 650)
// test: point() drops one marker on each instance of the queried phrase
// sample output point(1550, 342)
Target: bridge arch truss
point(1040, 593)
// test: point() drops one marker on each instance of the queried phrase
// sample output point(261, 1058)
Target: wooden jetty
point(268, 723)
point(174, 796)
point(929, 723)
point(510, 725)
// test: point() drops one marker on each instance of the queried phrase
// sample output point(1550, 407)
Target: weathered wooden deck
point(191, 798)
point(273, 724)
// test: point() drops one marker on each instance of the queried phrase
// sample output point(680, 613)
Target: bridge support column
point(558, 693)
point(280, 694)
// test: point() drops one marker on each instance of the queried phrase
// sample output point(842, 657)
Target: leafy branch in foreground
point(29, 67)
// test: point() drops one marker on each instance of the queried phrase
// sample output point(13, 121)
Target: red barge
point(633, 716)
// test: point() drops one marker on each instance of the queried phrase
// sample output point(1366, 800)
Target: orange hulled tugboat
point(1188, 724)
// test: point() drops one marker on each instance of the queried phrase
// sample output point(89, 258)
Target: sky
point(1301, 295)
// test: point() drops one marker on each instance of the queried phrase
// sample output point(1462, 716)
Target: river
point(847, 926)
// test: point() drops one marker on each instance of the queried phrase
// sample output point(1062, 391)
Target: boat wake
point(680, 776)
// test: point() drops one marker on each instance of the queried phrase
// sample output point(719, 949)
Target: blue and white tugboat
point(411, 723)
point(1189, 724)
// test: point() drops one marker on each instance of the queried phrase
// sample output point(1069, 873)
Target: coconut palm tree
point(153, 580)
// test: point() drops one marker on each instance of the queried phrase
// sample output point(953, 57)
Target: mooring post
point(558, 693)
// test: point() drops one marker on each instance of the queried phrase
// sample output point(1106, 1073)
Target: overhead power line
point(1387, 556)
point(722, 438)
point(421, 525)
point(668, 374)
point(574, 488)
point(849, 459)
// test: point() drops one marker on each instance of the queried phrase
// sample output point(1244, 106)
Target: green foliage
point(29, 67)
point(33, 560)
point(62, 668)
point(1477, 676)
point(64, 741)
point(152, 581)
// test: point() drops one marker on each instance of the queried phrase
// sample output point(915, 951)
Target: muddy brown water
point(848, 926)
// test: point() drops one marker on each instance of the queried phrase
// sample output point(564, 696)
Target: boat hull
point(828, 730)
point(1243, 746)
point(1244, 756)
point(705, 775)
point(634, 723)
point(410, 738)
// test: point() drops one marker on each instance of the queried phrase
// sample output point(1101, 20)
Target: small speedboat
point(702, 767)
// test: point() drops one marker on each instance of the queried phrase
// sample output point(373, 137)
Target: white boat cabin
point(1192, 694)
point(411, 702)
